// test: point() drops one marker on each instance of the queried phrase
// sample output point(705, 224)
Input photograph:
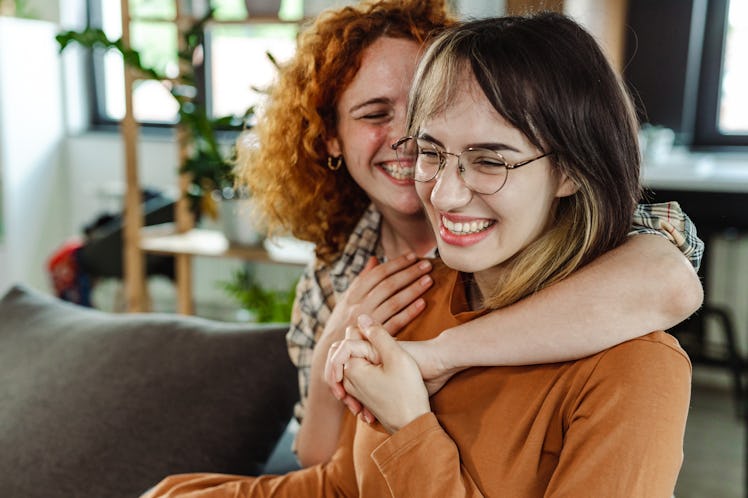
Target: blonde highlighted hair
point(549, 79)
point(286, 169)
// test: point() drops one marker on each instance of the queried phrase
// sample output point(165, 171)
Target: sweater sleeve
point(335, 479)
point(624, 430)
point(423, 444)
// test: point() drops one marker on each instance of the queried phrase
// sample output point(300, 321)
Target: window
point(236, 67)
point(722, 111)
point(685, 69)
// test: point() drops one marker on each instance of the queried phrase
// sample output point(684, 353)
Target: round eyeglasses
point(484, 171)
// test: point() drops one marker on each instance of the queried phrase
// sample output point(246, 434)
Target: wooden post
point(606, 20)
point(133, 258)
point(183, 217)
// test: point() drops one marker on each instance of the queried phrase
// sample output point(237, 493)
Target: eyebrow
point(482, 145)
point(378, 100)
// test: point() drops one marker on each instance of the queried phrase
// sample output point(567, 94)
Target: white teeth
point(398, 172)
point(465, 228)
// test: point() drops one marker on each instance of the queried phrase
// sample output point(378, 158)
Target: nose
point(397, 124)
point(450, 191)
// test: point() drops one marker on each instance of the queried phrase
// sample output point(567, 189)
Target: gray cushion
point(94, 404)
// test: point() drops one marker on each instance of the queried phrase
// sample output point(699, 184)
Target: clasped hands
point(382, 379)
point(377, 377)
point(371, 373)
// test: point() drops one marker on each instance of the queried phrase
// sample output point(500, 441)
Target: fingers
point(341, 352)
point(353, 404)
point(353, 333)
point(344, 351)
point(383, 343)
point(379, 282)
point(402, 318)
point(371, 263)
point(399, 289)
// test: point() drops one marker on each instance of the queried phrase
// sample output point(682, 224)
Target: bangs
point(460, 56)
point(434, 84)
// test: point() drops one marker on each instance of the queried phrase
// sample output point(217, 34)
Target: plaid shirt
point(322, 284)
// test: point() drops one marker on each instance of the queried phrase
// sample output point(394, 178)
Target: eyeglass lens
point(483, 170)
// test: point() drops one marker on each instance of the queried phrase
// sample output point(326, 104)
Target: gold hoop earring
point(337, 165)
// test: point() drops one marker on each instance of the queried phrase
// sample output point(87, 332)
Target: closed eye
point(427, 151)
point(375, 115)
point(485, 158)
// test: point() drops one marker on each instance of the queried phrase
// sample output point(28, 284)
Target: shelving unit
point(181, 239)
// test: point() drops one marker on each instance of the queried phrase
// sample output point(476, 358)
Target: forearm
point(318, 432)
point(644, 285)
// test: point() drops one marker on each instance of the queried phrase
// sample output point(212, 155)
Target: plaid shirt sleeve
point(668, 220)
point(316, 297)
point(310, 312)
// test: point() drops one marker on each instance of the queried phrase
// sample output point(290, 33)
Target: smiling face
point(371, 116)
point(477, 233)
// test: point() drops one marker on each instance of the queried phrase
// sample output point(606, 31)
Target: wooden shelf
point(163, 239)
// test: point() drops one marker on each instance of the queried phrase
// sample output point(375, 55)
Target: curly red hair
point(286, 168)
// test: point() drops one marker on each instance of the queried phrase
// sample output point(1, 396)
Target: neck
point(486, 280)
point(401, 234)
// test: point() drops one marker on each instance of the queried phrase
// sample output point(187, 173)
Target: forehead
point(468, 116)
point(386, 71)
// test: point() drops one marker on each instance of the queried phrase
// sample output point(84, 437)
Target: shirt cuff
point(405, 439)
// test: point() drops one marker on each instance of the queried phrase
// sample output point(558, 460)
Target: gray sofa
point(94, 404)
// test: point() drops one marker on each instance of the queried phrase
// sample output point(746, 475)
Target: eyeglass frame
point(443, 161)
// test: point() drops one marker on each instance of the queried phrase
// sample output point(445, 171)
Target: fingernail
point(425, 281)
point(410, 256)
point(425, 264)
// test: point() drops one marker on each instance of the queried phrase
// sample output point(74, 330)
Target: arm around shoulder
point(643, 285)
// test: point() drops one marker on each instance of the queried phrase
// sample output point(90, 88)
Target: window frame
point(706, 133)
point(99, 120)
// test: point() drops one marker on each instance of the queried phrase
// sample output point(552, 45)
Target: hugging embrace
point(521, 142)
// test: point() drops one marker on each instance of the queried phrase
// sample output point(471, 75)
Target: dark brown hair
point(549, 78)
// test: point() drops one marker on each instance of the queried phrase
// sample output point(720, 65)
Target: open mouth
point(467, 227)
point(397, 171)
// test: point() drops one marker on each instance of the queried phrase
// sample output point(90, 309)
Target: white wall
point(34, 181)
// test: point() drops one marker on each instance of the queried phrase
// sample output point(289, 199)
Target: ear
point(566, 186)
point(333, 147)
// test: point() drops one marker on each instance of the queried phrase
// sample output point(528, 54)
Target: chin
point(461, 262)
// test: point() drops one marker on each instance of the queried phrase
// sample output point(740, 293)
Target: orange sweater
point(608, 425)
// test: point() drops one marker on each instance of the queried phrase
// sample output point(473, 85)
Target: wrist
point(443, 350)
point(407, 419)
